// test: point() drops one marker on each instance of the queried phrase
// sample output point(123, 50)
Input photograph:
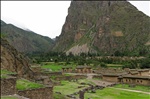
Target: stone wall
point(137, 81)
point(70, 77)
point(40, 93)
point(8, 86)
point(110, 78)
point(48, 74)
point(97, 76)
point(144, 73)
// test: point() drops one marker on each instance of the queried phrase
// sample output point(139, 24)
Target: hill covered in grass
point(24, 40)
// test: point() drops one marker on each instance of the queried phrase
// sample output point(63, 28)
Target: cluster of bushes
point(89, 59)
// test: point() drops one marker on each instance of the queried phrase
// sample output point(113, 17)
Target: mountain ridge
point(25, 41)
point(105, 27)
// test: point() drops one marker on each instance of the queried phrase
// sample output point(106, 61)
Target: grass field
point(109, 93)
point(60, 96)
point(23, 84)
point(4, 73)
point(68, 87)
point(52, 67)
point(114, 65)
point(137, 87)
point(8, 97)
point(56, 66)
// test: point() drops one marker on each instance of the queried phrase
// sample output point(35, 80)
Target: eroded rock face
point(76, 50)
point(105, 26)
point(14, 61)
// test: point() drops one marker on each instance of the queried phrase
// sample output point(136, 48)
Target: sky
point(45, 17)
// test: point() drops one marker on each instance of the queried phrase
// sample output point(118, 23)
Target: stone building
point(67, 69)
point(83, 69)
point(112, 77)
point(127, 79)
point(43, 80)
point(143, 72)
point(139, 80)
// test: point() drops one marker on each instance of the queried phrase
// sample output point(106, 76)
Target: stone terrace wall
point(40, 93)
point(8, 86)
point(49, 74)
point(70, 77)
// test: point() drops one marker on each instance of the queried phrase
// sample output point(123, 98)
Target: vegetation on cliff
point(106, 28)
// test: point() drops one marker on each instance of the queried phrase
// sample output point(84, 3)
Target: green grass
point(117, 65)
point(68, 87)
point(3, 71)
point(8, 97)
point(114, 65)
point(59, 96)
point(68, 74)
point(53, 67)
point(107, 93)
point(23, 84)
point(137, 87)
point(86, 81)
point(110, 93)
point(57, 66)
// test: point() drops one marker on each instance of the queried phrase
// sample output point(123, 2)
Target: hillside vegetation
point(106, 28)
point(25, 41)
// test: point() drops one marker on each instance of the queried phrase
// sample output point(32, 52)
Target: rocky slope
point(104, 27)
point(25, 41)
point(13, 61)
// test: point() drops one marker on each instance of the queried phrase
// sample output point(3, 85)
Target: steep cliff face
point(25, 41)
point(104, 27)
point(13, 61)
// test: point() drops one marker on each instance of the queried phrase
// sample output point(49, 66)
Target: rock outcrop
point(14, 61)
point(105, 27)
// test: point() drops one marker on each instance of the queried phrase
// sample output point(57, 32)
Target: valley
point(103, 52)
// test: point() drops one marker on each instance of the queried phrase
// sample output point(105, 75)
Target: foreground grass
point(110, 93)
point(68, 87)
point(3, 71)
point(59, 96)
point(23, 84)
point(8, 97)
point(137, 87)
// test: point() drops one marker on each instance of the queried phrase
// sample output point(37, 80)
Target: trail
point(99, 82)
point(132, 90)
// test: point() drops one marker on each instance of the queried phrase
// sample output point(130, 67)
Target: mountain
point(104, 27)
point(25, 40)
point(14, 61)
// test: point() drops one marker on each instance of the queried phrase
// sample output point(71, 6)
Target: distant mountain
point(25, 40)
point(106, 28)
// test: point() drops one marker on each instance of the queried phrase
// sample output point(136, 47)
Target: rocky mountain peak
point(104, 27)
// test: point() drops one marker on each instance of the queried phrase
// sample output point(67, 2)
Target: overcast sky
point(45, 17)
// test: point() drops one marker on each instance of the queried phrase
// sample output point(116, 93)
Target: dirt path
point(98, 82)
point(132, 90)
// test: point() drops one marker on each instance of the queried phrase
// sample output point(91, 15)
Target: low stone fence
point(40, 93)
point(97, 76)
point(8, 86)
point(49, 74)
point(59, 78)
